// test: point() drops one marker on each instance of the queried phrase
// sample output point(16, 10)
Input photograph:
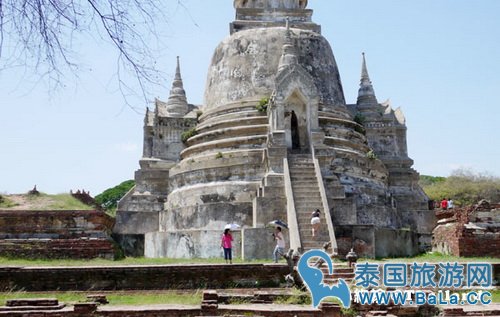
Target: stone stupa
point(274, 139)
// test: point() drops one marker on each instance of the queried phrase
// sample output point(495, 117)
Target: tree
point(109, 198)
point(465, 187)
point(41, 35)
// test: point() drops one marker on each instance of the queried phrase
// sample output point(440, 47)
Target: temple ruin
point(274, 139)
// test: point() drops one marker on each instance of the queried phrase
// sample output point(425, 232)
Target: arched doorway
point(294, 129)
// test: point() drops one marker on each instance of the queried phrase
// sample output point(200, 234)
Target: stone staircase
point(340, 271)
point(307, 198)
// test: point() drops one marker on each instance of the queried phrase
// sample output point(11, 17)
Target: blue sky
point(437, 59)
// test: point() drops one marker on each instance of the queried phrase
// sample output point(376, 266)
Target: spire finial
point(178, 70)
point(177, 102)
point(364, 71)
point(366, 92)
point(289, 56)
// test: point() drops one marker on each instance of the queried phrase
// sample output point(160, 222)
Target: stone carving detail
point(270, 4)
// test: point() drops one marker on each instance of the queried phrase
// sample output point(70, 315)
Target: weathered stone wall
point(58, 224)
point(189, 244)
point(358, 237)
point(471, 231)
point(245, 66)
point(91, 310)
point(392, 243)
point(56, 234)
point(479, 243)
point(371, 241)
point(258, 243)
point(141, 277)
point(58, 248)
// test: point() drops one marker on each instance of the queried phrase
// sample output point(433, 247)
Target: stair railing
point(293, 225)
point(326, 208)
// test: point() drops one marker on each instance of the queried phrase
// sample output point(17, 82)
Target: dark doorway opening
point(294, 127)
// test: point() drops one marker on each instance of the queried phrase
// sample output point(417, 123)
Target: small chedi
point(274, 139)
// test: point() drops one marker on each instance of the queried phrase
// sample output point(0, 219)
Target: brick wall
point(58, 248)
point(479, 243)
point(141, 277)
point(60, 224)
point(471, 231)
point(56, 234)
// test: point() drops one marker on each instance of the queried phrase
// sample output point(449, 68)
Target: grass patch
point(6, 202)
point(4, 261)
point(65, 297)
point(44, 201)
point(167, 297)
point(65, 202)
point(429, 257)
point(298, 297)
point(495, 296)
point(115, 298)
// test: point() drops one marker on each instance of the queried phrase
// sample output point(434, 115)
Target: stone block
point(189, 244)
point(359, 237)
point(135, 222)
point(343, 212)
point(131, 244)
point(422, 221)
point(391, 242)
point(274, 180)
point(258, 243)
point(266, 209)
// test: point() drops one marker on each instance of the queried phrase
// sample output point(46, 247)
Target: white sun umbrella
point(232, 226)
point(278, 223)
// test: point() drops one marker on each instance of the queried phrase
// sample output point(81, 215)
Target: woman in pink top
point(225, 243)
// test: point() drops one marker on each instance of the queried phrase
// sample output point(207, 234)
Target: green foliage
point(495, 296)
point(371, 155)
point(198, 114)
point(109, 198)
point(359, 119)
point(219, 155)
point(464, 187)
point(349, 312)
point(65, 202)
point(116, 298)
point(263, 104)
point(188, 134)
point(6, 202)
point(426, 180)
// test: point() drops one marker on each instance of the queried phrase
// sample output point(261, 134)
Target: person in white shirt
point(315, 221)
point(279, 250)
point(450, 204)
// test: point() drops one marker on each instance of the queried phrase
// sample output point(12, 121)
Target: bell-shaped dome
point(244, 66)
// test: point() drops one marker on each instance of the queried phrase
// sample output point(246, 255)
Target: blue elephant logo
point(313, 278)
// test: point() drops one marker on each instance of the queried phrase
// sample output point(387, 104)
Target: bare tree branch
point(39, 34)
